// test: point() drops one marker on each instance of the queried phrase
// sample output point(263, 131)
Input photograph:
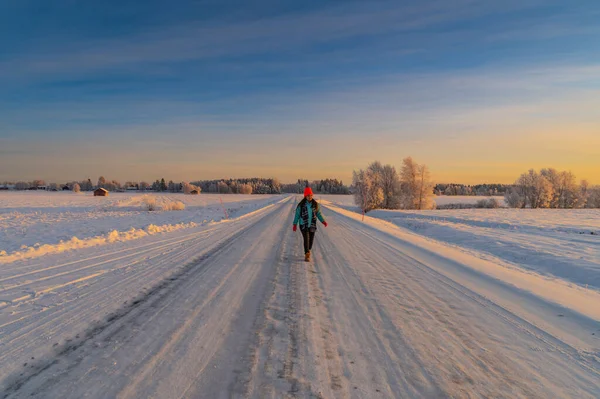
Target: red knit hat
point(308, 191)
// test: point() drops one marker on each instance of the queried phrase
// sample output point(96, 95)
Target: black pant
point(309, 237)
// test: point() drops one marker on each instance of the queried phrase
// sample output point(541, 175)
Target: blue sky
point(478, 90)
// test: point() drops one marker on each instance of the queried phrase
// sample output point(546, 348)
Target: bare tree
point(21, 185)
point(76, 188)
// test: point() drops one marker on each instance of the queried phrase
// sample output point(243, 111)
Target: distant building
point(100, 192)
point(66, 188)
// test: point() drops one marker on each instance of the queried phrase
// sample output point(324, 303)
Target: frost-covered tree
point(536, 189)
point(368, 193)
point(416, 186)
point(566, 191)
point(424, 187)
point(38, 183)
point(584, 188)
point(275, 185)
point(390, 182)
point(408, 181)
point(76, 188)
point(53, 187)
point(514, 198)
point(570, 194)
point(188, 188)
point(144, 185)
point(553, 177)
point(86, 185)
point(377, 181)
point(223, 188)
point(245, 189)
point(593, 197)
point(101, 182)
point(450, 190)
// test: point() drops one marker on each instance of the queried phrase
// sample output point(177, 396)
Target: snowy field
point(348, 200)
point(556, 243)
point(36, 223)
point(197, 306)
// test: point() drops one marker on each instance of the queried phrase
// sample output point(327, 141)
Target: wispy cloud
point(287, 33)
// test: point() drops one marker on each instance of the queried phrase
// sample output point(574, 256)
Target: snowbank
point(75, 243)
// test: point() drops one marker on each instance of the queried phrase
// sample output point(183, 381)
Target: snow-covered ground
point(557, 243)
point(229, 309)
point(348, 200)
point(33, 224)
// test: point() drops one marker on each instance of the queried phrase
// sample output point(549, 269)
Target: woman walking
point(307, 213)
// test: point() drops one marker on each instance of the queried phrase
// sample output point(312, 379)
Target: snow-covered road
point(232, 310)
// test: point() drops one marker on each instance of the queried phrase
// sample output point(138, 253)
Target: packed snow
point(228, 308)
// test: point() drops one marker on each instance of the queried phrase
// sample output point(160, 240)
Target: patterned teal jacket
point(307, 213)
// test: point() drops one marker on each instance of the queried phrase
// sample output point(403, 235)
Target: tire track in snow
point(377, 359)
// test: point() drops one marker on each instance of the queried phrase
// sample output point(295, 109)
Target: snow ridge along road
point(232, 310)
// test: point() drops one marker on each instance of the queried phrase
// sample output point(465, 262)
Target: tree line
point(325, 186)
point(477, 189)
point(255, 185)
